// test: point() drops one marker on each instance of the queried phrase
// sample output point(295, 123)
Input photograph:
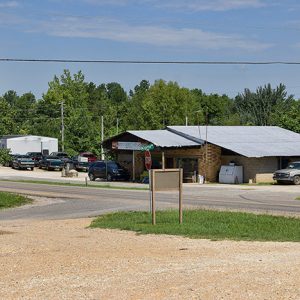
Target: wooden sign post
point(166, 180)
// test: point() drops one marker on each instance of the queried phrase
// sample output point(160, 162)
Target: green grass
point(8, 200)
point(214, 225)
point(90, 185)
point(298, 198)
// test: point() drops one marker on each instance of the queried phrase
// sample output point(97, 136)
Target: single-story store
point(19, 144)
point(202, 150)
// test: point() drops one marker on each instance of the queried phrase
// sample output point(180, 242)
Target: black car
point(23, 162)
point(63, 156)
point(80, 165)
point(109, 170)
point(51, 162)
point(36, 157)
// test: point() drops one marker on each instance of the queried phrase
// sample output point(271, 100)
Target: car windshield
point(24, 157)
point(114, 165)
point(294, 165)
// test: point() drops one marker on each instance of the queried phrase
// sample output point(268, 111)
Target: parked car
point(291, 174)
point(90, 156)
point(51, 162)
point(36, 157)
point(109, 170)
point(62, 155)
point(23, 162)
point(80, 164)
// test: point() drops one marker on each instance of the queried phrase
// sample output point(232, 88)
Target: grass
point(101, 186)
point(298, 198)
point(214, 225)
point(8, 200)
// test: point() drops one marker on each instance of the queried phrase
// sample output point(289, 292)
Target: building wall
point(255, 169)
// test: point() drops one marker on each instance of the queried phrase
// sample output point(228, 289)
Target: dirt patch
point(5, 232)
point(65, 260)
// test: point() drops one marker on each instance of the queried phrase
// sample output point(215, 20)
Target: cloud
point(194, 5)
point(9, 4)
point(114, 30)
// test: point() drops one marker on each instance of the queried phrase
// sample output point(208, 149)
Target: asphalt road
point(64, 202)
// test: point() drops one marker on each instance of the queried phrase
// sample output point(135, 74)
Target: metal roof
point(163, 138)
point(250, 141)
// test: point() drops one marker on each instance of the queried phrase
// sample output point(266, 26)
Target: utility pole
point(117, 125)
point(206, 144)
point(102, 137)
point(62, 126)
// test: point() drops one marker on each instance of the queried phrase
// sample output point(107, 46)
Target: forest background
point(147, 106)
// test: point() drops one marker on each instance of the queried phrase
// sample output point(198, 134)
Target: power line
point(151, 62)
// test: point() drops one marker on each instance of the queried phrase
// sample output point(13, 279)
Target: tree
point(80, 132)
point(258, 108)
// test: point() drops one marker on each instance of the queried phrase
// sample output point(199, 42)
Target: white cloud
point(9, 4)
point(109, 29)
point(194, 5)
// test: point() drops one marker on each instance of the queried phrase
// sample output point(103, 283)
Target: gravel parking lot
point(65, 260)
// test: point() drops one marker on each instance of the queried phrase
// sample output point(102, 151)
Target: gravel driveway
point(64, 260)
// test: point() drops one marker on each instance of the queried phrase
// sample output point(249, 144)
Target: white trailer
point(29, 143)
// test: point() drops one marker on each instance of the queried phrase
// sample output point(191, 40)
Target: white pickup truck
point(290, 174)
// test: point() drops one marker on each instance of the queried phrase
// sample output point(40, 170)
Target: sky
point(151, 30)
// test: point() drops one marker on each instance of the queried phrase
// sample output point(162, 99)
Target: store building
point(202, 150)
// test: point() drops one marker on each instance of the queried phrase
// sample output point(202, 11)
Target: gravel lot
point(65, 260)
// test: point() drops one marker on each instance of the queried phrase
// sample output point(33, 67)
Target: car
point(89, 155)
point(109, 170)
point(36, 157)
point(22, 162)
point(62, 155)
point(80, 163)
point(289, 175)
point(51, 162)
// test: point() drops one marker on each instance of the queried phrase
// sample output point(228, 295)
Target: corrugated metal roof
point(163, 138)
point(250, 141)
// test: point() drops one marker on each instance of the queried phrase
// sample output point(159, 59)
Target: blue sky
point(201, 30)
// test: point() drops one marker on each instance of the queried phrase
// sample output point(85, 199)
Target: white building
point(29, 143)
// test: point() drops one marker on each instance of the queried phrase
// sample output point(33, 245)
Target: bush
point(4, 156)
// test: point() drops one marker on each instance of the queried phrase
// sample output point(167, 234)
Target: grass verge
point(298, 198)
point(8, 200)
point(101, 186)
point(214, 225)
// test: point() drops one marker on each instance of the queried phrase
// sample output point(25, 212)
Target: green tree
point(260, 107)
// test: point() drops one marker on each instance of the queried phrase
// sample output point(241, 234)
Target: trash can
point(200, 179)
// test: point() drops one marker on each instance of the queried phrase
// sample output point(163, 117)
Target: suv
point(109, 170)
point(290, 174)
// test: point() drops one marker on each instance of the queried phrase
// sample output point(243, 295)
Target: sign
point(127, 145)
point(135, 146)
point(148, 147)
point(148, 160)
point(165, 180)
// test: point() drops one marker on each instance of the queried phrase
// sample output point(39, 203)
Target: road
point(65, 202)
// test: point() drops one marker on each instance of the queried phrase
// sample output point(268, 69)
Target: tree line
point(147, 106)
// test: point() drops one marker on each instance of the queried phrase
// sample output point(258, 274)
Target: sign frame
point(160, 181)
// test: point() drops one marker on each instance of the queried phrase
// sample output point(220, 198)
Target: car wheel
point(297, 180)
point(109, 177)
point(31, 169)
point(92, 177)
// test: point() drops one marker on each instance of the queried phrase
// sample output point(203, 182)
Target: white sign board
point(128, 146)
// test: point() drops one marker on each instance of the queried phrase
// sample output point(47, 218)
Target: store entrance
point(189, 166)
